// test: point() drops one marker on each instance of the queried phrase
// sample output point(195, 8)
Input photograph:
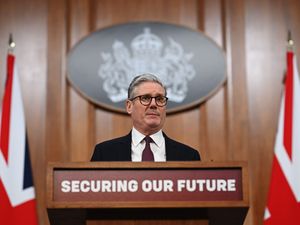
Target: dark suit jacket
point(119, 149)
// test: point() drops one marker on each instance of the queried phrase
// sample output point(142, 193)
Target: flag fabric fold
point(283, 205)
point(17, 196)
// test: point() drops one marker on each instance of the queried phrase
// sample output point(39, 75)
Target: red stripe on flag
point(288, 106)
point(5, 120)
point(282, 203)
point(21, 214)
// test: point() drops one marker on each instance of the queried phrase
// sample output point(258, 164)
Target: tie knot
point(148, 139)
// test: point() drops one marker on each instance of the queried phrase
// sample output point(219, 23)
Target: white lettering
point(191, 185)
point(221, 185)
point(133, 186)
point(106, 186)
point(200, 184)
point(168, 186)
point(75, 186)
point(95, 186)
point(180, 185)
point(210, 185)
point(231, 185)
point(146, 186)
point(157, 185)
point(65, 186)
point(99, 186)
point(85, 186)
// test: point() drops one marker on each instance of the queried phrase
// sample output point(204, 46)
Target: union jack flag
point(17, 196)
point(283, 207)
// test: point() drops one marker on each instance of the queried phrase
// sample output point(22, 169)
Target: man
point(146, 104)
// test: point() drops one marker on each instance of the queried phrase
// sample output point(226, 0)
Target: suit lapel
point(170, 149)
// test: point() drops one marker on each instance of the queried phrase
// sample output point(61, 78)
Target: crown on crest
point(146, 44)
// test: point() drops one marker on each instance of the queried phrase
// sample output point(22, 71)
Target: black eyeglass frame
point(155, 98)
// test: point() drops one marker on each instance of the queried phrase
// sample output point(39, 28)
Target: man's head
point(146, 103)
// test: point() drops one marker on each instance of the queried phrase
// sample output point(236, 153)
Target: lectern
point(214, 193)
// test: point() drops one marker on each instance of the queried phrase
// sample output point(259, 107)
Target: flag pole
point(11, 44)
point(290, 48)
point(10, 51)
point(290, 42)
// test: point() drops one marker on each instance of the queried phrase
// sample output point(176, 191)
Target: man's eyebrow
point(156, 95)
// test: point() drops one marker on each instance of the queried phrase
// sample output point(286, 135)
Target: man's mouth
point(152, 114)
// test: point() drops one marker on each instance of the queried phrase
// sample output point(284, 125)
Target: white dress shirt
point(158, 146)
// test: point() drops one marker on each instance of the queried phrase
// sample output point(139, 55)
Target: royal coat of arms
point(147, 54)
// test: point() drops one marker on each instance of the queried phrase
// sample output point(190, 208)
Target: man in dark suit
point(146, 104)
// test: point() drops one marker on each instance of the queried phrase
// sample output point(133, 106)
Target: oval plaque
point(190, 64)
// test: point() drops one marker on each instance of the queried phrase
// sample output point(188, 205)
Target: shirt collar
point(137, 137)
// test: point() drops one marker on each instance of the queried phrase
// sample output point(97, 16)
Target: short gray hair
point(147, 77)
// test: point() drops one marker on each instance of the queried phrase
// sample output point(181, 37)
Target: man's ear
point(129, 106)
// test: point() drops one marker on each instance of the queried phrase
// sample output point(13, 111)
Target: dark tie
point(147, 153)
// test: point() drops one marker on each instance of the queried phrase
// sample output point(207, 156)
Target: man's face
point(147, 119)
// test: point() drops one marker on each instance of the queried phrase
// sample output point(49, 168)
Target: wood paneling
point(56, 135)
point(238, 122)
point(81, 112)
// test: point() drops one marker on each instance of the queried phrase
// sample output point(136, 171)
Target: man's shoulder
point(114, 141)
point(181, 151)
point(117, 149)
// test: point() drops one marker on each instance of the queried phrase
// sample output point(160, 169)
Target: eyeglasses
point(147, 99)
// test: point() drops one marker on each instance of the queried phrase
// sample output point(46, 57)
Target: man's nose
point(153, 103)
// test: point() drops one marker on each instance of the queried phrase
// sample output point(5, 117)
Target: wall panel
point(215, 108)
point(80, 112)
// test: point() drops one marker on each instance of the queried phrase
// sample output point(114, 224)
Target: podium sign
point(106, 185)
